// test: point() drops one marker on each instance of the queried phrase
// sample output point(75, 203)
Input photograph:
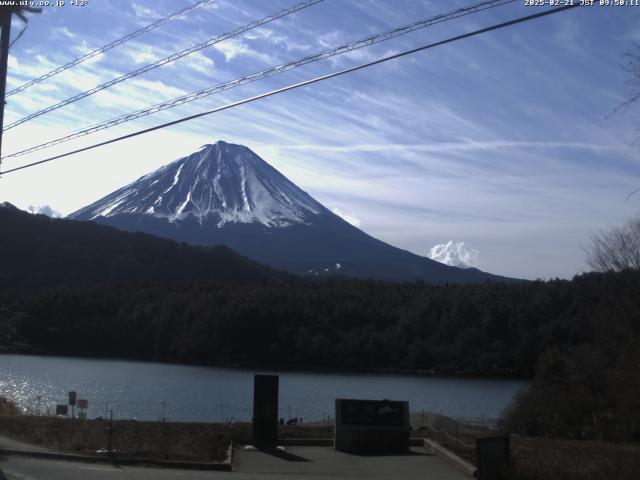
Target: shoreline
point(430, 373)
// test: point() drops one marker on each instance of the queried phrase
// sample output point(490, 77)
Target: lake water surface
point(149, 391)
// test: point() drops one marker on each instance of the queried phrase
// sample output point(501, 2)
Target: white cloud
point(356, 222)
point(232, 47)
point(64, 31)
point(143, 12)
point(142, 56)
point(154, 86)
point(35, 67)
point(199, 62)
point(331, 39)
point(44, 210)
point(456, 254)
point(463, 146)
point(12, 62)
point(278, 39)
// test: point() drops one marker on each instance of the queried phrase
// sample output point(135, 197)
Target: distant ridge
point(43, 252)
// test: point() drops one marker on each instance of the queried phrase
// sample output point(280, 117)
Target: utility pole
point(6, 14)
point(5, 18)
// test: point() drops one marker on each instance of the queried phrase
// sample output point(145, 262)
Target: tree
point(616, 249)
point(631, 65)
point(10, 338)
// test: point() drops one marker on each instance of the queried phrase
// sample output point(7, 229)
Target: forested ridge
point(489, 328)
point(39, 252)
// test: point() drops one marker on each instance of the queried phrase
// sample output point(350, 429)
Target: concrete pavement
point(319, 463)
point(295, 462)
point(326, 463)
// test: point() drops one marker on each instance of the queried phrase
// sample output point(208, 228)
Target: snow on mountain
point(225, 194)
point(222, 183)
point(455, 254)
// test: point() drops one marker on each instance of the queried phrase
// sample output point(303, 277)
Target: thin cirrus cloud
point(479, 140)
point(232, 48)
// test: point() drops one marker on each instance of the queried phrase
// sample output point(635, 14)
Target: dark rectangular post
point(493, 457)
point(265, 411)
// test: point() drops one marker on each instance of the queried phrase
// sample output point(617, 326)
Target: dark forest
point(492, 328)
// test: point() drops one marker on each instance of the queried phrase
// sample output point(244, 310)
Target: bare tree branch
point(616, 249)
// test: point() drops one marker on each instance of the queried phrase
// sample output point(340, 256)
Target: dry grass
point(207, 442)
point(7, 407)
point(161, 440)
point(551, 459)
point(544, 458)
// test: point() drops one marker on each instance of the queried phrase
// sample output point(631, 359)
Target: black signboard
point(381, 413)
point(265, 411)
point(371, 426)
point(61, 409)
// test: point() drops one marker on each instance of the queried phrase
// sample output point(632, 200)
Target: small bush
point(8, 407)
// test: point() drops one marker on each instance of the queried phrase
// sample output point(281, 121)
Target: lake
point(149, 391)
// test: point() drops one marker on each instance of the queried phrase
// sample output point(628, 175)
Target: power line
point(24, 29)
point(111, 45)
point(371, 40)
point(165, 61)
point(302, 84)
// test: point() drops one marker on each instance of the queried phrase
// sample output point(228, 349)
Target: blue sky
point(504, 141)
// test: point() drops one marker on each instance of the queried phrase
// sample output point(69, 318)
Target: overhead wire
point(302, 84)
point(348, 47)
point(24, 29)
point(166, 60)
point(109, 46)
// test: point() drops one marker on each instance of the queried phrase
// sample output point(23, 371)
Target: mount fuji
point(226, 194)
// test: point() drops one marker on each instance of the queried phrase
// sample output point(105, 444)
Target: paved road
point(319, 463)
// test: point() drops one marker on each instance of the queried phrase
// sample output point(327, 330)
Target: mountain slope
point(46, 252)
point(221, 183)
point(226, 194)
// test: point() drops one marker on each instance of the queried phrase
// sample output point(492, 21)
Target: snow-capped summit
point(225, 194)
point(220, 183)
